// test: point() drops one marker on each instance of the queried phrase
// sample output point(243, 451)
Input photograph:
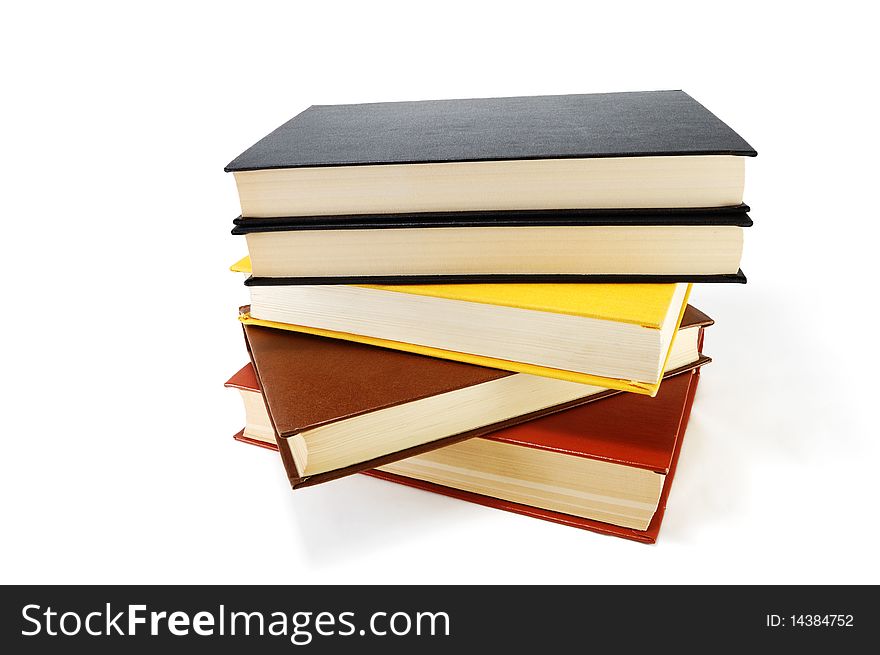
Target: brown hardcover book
point(337, 407)
point(605, 467)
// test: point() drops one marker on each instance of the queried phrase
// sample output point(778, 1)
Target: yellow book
point(611, 335)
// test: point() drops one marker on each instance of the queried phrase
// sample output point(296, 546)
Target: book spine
point(293, 475)
point(286, 456)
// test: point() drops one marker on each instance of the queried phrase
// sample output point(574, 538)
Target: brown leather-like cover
point(309, 381)
point(627, 429)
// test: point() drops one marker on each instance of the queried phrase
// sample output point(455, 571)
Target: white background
point(120, 316)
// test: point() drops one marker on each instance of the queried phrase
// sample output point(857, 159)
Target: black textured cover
point(737, 278)
point(638, 124)
point(735, 216)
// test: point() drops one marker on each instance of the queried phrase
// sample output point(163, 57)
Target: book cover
point(636, 124)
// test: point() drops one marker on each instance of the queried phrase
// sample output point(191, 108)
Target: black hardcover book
point(642, 186)
point(642, 150)
point(639, 124)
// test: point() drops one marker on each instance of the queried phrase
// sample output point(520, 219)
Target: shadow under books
point(358, 514)
point(760, 402)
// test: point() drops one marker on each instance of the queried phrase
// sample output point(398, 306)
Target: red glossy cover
point(245, 379)
point(619, 429)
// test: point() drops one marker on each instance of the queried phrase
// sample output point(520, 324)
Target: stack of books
point(488, 298)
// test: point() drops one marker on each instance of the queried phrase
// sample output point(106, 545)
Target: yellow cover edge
point(642, 388)
point(243, 265)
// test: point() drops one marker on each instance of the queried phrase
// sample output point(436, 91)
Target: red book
point(606, 466)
